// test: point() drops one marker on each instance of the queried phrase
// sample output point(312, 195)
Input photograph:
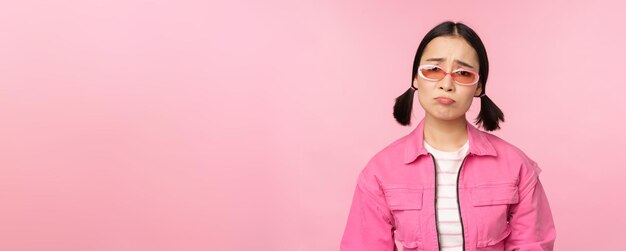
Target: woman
point(448, 185)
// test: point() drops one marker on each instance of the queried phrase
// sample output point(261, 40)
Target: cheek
point(423, 95)
point(466, 103)
point(466, 97)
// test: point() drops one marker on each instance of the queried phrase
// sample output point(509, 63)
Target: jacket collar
point(478, 142)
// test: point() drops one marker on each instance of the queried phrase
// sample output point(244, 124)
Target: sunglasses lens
point(465, 77)
point(462, 77)
point(433, 72)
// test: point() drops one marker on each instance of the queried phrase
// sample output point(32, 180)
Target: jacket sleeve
point(369, 225)
point(531, 223)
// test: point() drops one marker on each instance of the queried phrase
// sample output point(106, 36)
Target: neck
point(445, 135)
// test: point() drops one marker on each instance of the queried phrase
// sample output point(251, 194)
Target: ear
point(479, 89)
point(415, 83)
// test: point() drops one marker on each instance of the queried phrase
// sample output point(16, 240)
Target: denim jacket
point(501, 201)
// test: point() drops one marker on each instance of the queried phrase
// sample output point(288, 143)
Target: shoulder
point(389, 156)
point(510, 153)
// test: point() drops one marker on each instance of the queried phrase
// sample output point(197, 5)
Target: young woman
point(448, 185)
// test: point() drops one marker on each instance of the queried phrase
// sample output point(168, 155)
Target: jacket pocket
point(491, 203)
point(405, 203)
point(494, 242)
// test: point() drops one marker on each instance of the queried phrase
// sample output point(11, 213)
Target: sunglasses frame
point(419, 71)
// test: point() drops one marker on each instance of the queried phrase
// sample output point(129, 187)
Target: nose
point(447, 83)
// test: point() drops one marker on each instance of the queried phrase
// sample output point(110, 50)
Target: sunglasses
point(436, 73)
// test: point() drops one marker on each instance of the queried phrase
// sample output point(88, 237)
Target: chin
point(447, 116)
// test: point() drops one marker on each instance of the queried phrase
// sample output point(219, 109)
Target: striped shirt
point(448, 220)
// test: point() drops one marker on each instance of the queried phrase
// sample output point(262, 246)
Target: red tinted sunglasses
point(436, 73)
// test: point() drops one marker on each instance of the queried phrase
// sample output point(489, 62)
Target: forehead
point(450, 48)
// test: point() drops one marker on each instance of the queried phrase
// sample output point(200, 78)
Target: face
point(453, 53)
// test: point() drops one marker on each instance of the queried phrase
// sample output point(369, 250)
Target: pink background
point(242, 125)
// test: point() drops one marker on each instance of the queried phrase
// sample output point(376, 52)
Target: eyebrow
point(456, 60)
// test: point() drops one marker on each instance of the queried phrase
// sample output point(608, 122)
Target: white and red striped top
point(448, 220)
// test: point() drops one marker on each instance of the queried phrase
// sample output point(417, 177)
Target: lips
point(444, 100)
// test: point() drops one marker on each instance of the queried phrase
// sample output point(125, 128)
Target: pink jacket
point(502, 203)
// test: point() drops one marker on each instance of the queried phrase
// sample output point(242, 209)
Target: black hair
point(490, 114)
